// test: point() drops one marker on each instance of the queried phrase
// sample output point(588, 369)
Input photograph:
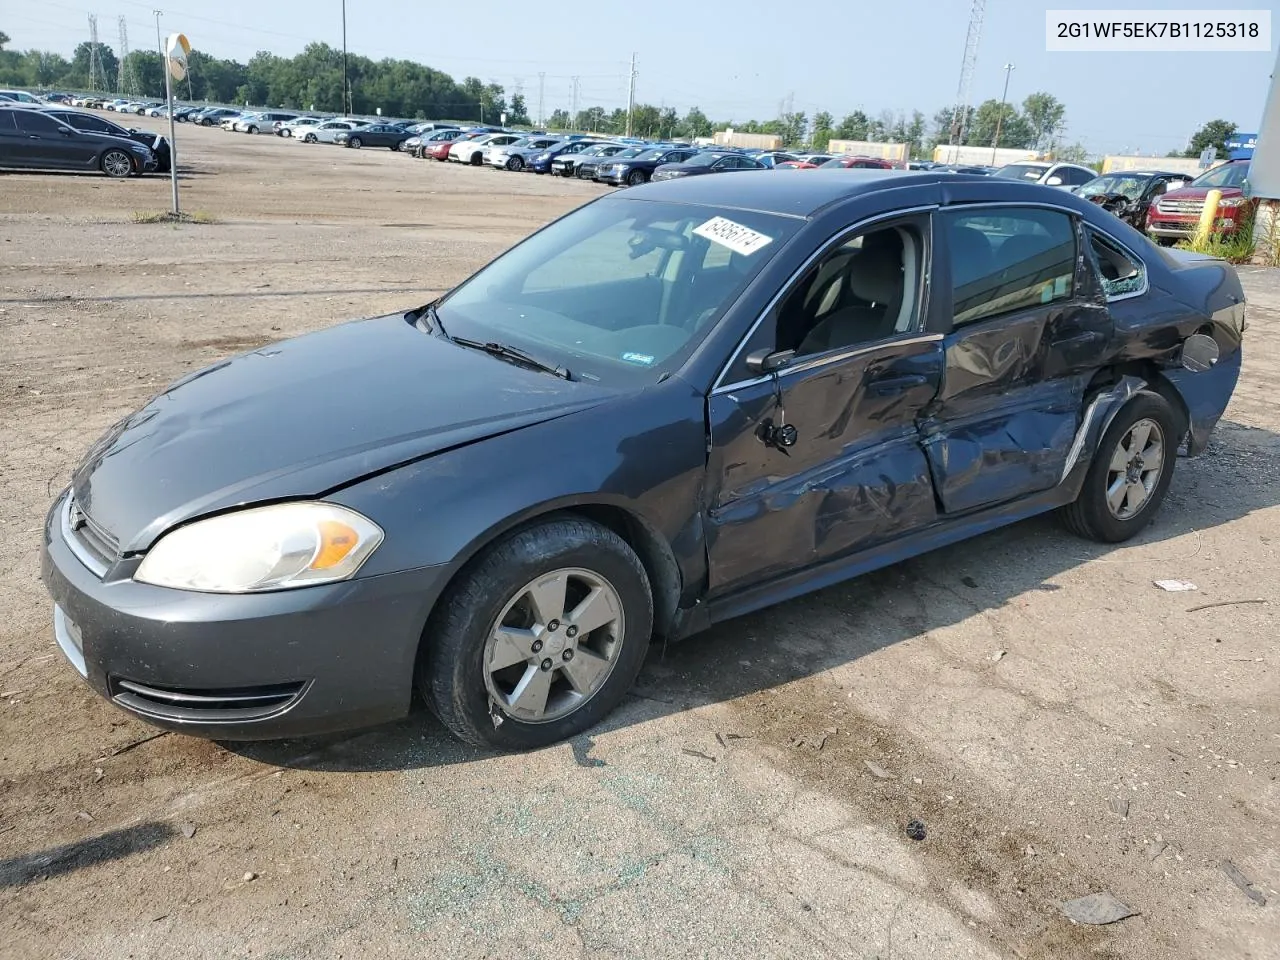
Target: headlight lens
point(542, 158)
point(1231, 202)
point(263, 548)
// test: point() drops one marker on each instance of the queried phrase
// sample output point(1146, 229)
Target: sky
point(736, 61)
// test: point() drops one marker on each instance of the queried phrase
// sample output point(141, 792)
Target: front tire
point(538, 639)
point(635, 178)
point(1130, 473)
point(117, 164)
point(252, 130)
point(515, 164)
point(355, 143)
point(309, 138)
point(476, 159)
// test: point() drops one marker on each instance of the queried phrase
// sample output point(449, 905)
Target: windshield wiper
point(513, 354)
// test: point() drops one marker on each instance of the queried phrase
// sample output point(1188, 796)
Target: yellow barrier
point(1207, 216)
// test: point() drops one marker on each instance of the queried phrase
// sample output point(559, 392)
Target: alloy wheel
point(553, 645)
point(116, 163)
point(1135, 469)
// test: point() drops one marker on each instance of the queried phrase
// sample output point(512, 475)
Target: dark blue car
point(541, 162)
point(675, 405)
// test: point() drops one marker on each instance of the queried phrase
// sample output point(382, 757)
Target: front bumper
point(247, 666)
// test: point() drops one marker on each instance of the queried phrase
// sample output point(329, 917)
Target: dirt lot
point(1058, 724)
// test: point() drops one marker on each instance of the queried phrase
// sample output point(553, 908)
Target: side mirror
point(767, 361)
point(1199, 352)
point(1247, 188)
point(1054, 182)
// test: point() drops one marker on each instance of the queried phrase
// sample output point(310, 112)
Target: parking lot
point(1057, 724)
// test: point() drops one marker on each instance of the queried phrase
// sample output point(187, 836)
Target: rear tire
point(1124, 486)
point(252, 130)
point(309, 138)
point(476, 159)
point(490, 612)
point(355, 143)
point(635, 178)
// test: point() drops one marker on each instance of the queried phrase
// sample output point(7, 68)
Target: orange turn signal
point(336, 541)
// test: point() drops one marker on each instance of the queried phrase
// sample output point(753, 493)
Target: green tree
point(79, 75)
point(1014, 129)
point(822, 130)
point(518, 113)
point(915, 132)
point(1044, 115)
point(559, 120)
point(1214, 134)
point(695, 124)
point(144, 74)
point(853, 126)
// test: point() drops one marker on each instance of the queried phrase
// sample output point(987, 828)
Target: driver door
point(820, 458)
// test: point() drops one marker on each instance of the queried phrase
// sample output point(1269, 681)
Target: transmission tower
point(124, 78)
point(960, 118)
point(96, 71)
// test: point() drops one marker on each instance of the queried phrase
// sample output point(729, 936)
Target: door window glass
point(1121, 274)
point(864, 290)
point(38, 123)
point(1009, 259)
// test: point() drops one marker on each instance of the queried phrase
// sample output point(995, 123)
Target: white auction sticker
point(735, 236)
point(1136, 31)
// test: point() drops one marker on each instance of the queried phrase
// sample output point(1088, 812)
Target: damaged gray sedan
point(673, 406)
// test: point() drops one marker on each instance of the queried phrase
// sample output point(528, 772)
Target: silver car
point(514, 156)
point(261, 122)
point(325, 132)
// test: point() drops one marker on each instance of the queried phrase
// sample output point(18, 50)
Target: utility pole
point(542, 95)
point(573, 109)
point(95, 59)
point(995, 143)
point(346, 80)
point(631, 93)
point(159, 43)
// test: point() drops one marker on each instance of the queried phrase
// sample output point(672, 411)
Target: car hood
point(304, 416)
point(1199, 193)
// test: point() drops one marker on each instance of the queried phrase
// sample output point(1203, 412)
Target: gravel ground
point(1058, 725)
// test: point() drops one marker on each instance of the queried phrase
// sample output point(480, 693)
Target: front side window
point(620, 291)
point(865, 289)
point(38, 123)
point(1009, 259)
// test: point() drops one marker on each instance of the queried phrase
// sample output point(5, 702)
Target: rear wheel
point(540, 638)
point(253, 130)
point(635, 178)
point(515, 164)
point(1130, 473)
point(309, 138)
point(355, 143)
point(117, 164)
point(476, 159)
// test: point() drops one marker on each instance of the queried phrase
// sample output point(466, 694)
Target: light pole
point(995, 143)
point(346, 82)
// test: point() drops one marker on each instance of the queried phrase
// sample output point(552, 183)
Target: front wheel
point(1130, 473)
point(309, 138)
point(253, 130)
point(540, 638)
point(355, 143)
point(117, 164)
point(515, 164)
point(476, 159)
point(635, 178)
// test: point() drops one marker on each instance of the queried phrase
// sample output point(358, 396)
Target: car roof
point(804, 196)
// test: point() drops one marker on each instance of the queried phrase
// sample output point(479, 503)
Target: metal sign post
point(176, 51)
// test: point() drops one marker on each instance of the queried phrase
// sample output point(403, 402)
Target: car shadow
point(113, 845)
point(847, 621)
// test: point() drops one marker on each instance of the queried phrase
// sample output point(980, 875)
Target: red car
point(858, 163)
point(1176, 215)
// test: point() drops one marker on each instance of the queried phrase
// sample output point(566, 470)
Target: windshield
point(1227, 175)
point(703, 159)
point(1129, 187)
point(619, 291)
point(1023, 171)
point(639, 154)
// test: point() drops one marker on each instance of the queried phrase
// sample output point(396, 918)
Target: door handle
point(885, 386)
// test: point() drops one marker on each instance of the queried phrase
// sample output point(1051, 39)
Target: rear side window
point(1121, 273)
point(37, 123)
point(7, 124)
point(1009, 259)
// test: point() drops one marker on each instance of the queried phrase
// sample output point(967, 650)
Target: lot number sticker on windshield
point(735, 236)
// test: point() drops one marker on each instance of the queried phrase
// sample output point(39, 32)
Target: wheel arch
point(1154, 380)
point(651, 546)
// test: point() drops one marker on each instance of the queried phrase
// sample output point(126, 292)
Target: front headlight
point(263, 548)
point(1232, 202)
point(542, 158)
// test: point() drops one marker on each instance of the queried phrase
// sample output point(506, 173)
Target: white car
point(296, 128)
point(514, 156)
point(474, 151)
point(19, 96)
point(1064, 175)
point(326, 131)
